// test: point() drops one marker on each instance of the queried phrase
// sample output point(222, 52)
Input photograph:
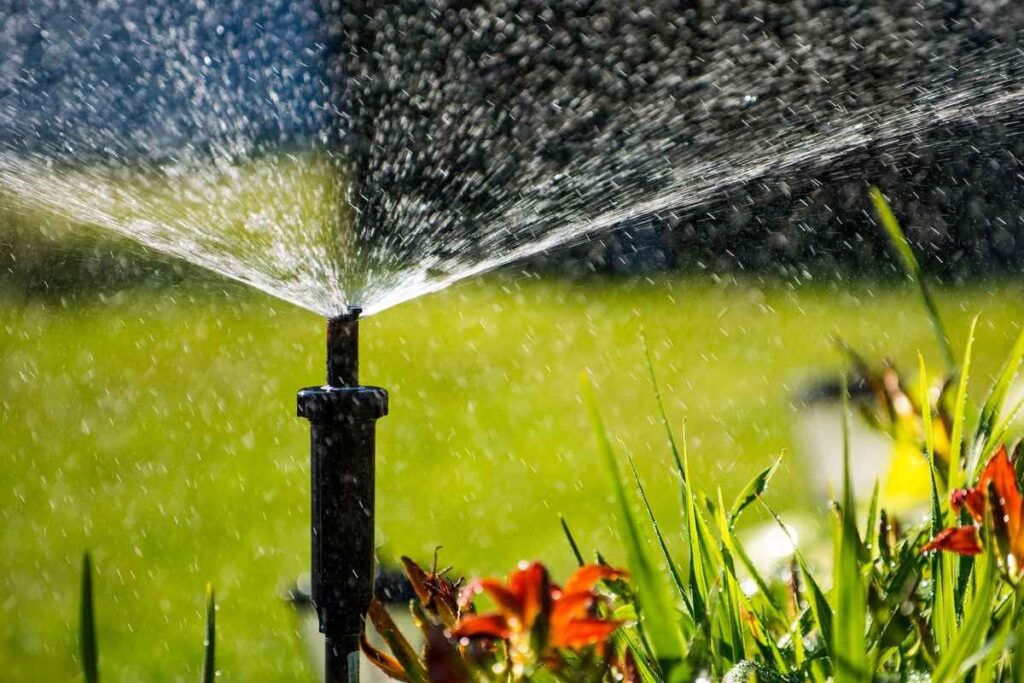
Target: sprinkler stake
point(342, 417)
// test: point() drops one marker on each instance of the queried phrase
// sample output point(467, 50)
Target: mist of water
point(333, 153)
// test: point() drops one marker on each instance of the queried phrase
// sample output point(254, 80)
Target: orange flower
point(998, 488)
point(436, 592)
point(536, 617)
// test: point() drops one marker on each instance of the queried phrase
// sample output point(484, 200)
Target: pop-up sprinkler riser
point(343, 418)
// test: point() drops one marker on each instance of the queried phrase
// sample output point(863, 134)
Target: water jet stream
point(469, 140)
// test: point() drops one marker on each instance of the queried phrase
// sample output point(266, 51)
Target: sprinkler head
point(342, 417)
point(343, 349)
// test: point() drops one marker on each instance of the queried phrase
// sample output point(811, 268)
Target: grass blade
point(656, 606)
point(956, 470)
point(87, 625)
point(1017, 659)
point(730, 615)
point(572, 542)
point(849, 651)
point(629, 639)
point(992, 408)
point(902, 246)
point(944, 567)
point(673, 570)
point(736, 548)
point(986, 660)
point(1001, 429)
point(821, 610)
point(977, 618)
point(704, 563)
point(754, 489)
point(210, 644)
point(661, 406)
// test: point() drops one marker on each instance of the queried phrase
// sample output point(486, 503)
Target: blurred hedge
point(43, 256)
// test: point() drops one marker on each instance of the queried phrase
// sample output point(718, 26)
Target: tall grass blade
point(850, 660)
point(1001, 429)
point(977, 619)
point(626, 638)
point(736, 548)
point(990, 411)
point(903, 249)
point(956, 472)
point(944, 568)
point(732, 613)
point(673, 569)
point(871, 525)
point(661, 406)
point(210, 644)
point(704, 563)
point(657, 609)
point(87, 625)
point(821, 610)
point(1017, 659)
point(572, 541)
point(754, 489)
point(984, 663)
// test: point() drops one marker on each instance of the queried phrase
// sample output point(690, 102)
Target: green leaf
point(87, 625)
point(210, 644)
point(655, 604)
point(985, 661)
point(731, 615)
point(673, 570)
point(1017, 660)
point(902, 246)
point(944, 568)
point(871, 525)
point(754, 489)
point(977, 619)
point(736, 548)
point(820, 608)
point(661, 407)
point(956, 473)
point(849, 651)
point(992, 408)
point(704, 563)
point(628, 638)
point(1002, 427)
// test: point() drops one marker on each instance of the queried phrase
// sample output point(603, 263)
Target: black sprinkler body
point(343, 418)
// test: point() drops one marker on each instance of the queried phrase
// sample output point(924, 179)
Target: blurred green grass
point(157, 429)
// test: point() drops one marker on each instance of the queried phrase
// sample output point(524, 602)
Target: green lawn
point(158, 430)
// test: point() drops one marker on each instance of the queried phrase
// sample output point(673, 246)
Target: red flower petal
point(571, 606)
point(999, 470)
point(508, 603)
point(962, 540)
point(532, 587)
point(585, 577)
point(483, 626)
point(582, 632)
point(973, 499)
point(1000, 473)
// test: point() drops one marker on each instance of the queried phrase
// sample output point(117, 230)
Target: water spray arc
point(343, 417)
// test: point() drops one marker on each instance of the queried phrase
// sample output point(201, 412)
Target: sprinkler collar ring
point(327, 404)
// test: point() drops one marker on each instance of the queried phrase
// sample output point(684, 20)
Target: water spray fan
point(343, 416)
